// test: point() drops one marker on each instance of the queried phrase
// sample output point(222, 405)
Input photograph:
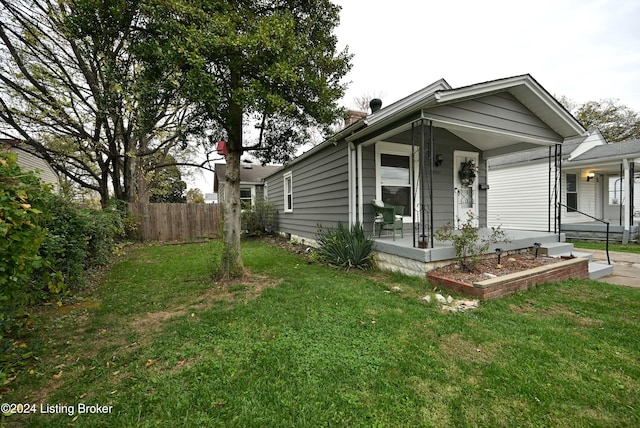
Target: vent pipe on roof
point(375, 104)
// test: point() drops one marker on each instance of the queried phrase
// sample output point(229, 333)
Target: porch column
point(627, 198)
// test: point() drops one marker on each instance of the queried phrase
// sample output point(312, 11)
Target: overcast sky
point(585, 50)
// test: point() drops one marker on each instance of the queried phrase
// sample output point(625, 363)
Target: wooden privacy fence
point(175, 222)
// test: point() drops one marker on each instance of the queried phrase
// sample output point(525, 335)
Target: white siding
point(30, 162)
point(518, 197)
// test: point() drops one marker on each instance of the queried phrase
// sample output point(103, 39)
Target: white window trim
point(285, 177)
point(566, 211)
point(396, 149)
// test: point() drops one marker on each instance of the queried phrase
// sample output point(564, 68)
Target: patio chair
point(387, 217)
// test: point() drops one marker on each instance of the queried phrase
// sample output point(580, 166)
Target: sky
point(585, 50)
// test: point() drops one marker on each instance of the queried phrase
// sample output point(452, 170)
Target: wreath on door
point(468, 172)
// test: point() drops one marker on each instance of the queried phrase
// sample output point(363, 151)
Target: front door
point(465, 188)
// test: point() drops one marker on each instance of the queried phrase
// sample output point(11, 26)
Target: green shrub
point(468, 243)
point(260, 219)
point(20, 234)
point(345, 247)
point(77, 238)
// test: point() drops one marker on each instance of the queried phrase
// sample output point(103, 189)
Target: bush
point(20, 234)
point(77, 239)
point(468, 243)
point(345, 247)
point(260, 219)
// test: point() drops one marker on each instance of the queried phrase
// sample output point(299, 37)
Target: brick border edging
point(508, 284)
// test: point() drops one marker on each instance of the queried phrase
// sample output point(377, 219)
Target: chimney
point(353, 116)
point(375, 105)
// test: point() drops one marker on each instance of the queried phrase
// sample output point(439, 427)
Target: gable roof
point(570, 148)
point(612, 151)
point(248, 175)
point(399, 115)
point(524, 88)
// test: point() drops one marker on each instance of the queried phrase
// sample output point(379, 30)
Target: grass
point(597, 245)
point(305, 345)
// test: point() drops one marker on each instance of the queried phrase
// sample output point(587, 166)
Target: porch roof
point(423, 104)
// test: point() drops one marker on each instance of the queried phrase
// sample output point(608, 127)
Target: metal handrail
point(597, 219)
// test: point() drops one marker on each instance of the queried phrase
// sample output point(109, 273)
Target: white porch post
point(360, 187)
point(627, 201)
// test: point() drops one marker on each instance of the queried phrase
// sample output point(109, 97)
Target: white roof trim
point(423, 96)
point(508, 84)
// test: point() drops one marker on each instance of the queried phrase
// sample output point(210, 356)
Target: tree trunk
point(231, 261)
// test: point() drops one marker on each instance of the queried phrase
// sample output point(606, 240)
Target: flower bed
point(504, 285)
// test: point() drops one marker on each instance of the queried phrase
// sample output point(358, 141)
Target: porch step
point(555, 249)
point(598, 270)
point(581, 255)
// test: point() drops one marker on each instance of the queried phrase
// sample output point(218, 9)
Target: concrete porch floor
point(403, 247)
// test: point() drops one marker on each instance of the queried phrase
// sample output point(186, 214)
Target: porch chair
point(387, 217)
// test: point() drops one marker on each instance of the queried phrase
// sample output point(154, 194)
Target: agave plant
point(345, 247)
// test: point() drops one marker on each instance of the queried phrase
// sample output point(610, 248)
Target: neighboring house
point(30, 162)
point(597, 182)
point(410, 154)
point(251, 181)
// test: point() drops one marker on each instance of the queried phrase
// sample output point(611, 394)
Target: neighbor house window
point(395, 180)
point(572, 193)
point(245, 197)
point(288, 192)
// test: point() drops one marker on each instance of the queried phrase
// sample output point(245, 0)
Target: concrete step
point(581, 255)
point(555, 249)
point(598, 270)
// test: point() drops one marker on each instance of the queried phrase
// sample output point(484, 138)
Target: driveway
point(626, 267)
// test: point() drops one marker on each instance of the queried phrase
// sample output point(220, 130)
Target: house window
point(395, 180)
point(245, 197)
point(572, 193)
point(288, 192)
point(615, 190)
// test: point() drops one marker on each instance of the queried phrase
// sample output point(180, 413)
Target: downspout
point(350, 183)
point(360, 195)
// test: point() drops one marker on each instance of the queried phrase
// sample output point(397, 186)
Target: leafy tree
point(73, 87)
point(166, 184)
point(616, 121)
point(275, 60)
point(195, 196)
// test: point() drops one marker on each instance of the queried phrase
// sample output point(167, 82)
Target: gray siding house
point(411, 154)
point(251, 181)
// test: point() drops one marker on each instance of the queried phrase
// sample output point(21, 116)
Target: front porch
point(597, 231)
point(401, 256)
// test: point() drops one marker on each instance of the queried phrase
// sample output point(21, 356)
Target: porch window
point(288, 192)
point(395, 180)
point(572, 193)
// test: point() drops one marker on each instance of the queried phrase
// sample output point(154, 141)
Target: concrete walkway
point(626, 267)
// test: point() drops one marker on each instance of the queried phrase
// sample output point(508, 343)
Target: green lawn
point(597, 245)
point(305, 345)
